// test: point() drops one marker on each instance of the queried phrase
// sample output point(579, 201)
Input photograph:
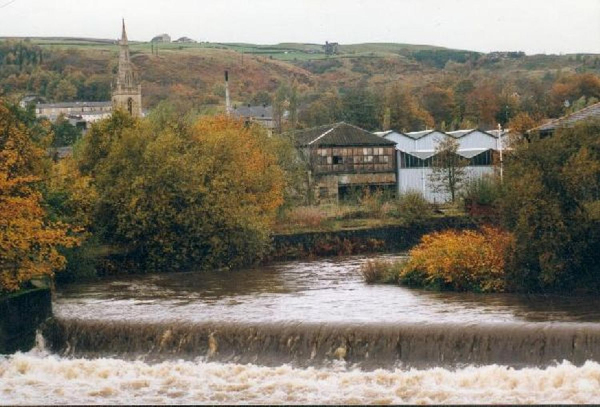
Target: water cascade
point(314, 344)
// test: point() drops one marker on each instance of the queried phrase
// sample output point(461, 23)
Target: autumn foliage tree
point(448, 169)
point(552, 205)
point(29, 242)
point(199, 196)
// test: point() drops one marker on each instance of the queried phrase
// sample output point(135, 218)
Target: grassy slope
point(195, 71)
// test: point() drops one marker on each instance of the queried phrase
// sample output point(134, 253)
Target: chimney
point(227, 101)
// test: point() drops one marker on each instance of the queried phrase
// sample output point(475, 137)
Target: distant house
point(261, 114)
point(53, 110)
point(548, 128)
point(344, 158)
point(185, 40)
point(31, 100)
point(161, 38)
point(331, 48)
point(416, 152)
point(80, 114)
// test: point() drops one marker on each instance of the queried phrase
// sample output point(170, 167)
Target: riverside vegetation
point(171, 191)
point(545, 234)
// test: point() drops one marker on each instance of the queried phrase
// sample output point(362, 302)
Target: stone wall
point(20, 316)
point(355, 241)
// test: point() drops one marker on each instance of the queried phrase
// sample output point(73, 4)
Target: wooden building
point(344, 158)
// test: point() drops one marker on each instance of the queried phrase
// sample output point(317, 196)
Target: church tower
point(127, 91)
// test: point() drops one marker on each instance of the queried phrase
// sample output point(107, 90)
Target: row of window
point(354, 151)
point(486, 158)
point(352, 168)
point(337, 159)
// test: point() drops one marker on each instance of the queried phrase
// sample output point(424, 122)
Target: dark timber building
point(343, 157)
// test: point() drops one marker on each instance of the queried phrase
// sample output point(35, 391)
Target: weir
point(367, 346)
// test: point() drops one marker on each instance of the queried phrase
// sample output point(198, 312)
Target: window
point(484, 158)
point(130, 106)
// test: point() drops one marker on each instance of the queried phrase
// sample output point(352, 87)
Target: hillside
point(192, 74)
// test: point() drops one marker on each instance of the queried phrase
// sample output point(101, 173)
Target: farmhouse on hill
point(344, 158)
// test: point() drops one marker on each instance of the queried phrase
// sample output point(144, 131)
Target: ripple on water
point(329, 290)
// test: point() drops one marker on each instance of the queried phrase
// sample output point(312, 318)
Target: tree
point(29, 242)
point(439, 103)
point(404, 112)
point(65, 91)
point(65, 134)
point(552, 206)
point(448, 169)
point(100, 138)
point(203, 196)
point(360, 108)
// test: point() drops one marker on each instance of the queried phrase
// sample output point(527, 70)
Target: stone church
point(127, 91)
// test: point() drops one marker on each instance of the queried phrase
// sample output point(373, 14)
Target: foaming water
point(305, 333)
point(36, 378)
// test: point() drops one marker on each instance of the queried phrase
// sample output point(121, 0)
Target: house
point(53, 110)
point(185, 40)
point(548, 128)
point(161, 38)
point(31, 100)
point(344, 158)
point(416, 152)
point(331, 48)
point(261, 114)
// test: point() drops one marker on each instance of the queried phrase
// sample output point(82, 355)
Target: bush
point(482, 191)
point(375, 203)
point(309, 216)
point(459, 261)
point(380, 271)
point(412, 206)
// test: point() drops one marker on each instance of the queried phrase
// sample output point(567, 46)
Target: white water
point(39, 378)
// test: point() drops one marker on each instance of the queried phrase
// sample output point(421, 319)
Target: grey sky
point(533, 26)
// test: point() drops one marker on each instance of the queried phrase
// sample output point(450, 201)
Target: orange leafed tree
point(28, 242)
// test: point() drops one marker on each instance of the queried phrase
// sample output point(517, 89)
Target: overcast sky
point(533, 26)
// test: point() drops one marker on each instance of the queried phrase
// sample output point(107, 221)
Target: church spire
point(124, 34)
point(127, 94)
point(125, 77)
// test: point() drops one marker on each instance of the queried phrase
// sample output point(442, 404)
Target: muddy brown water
point(304, 333)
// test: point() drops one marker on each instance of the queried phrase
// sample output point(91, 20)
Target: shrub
point(459, 260)
point(412, 206)
point(482, 191)
point(310, 216)
point(380, 271)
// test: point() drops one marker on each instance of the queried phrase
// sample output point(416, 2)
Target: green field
point(283, 51)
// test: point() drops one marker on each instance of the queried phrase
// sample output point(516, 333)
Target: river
point(304, 332)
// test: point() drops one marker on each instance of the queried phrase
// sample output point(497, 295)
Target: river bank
point(21, 314)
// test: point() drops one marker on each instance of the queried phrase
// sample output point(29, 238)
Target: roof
point(417, 134)
point(460, 133)
point(592, 111)
point(383, 133)
point(339, 134)
point(260, 111)
point(73, 104)
point(466, 153)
